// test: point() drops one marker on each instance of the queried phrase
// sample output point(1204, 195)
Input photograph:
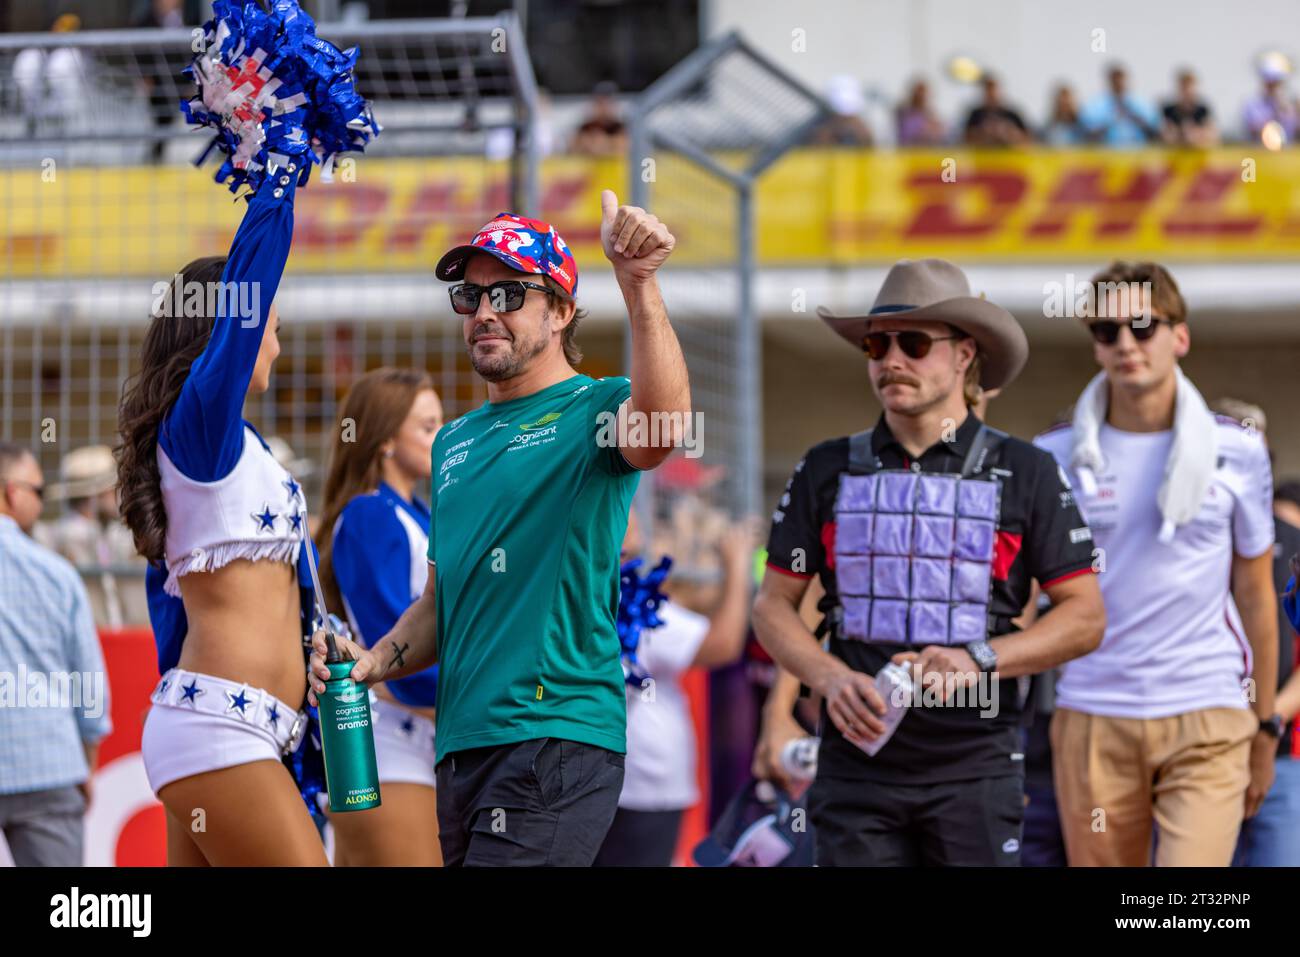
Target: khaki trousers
point(1187, 774)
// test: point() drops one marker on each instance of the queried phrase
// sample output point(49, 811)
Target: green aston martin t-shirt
point(529, 506)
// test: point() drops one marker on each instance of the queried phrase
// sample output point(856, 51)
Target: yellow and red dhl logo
point(815, 207)
point(1072, 198)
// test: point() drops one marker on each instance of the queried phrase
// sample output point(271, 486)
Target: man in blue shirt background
point(49, 739)
point(1118, 117)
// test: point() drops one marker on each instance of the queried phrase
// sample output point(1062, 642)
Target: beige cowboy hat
point(937, 291)
point(85, 472)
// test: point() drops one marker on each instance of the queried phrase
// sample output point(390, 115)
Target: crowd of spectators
point(1115, 116)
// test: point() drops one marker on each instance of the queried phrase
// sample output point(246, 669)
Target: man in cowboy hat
point(91, 535)
point(927, 532)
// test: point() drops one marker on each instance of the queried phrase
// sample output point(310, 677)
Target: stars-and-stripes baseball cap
point(528, 245)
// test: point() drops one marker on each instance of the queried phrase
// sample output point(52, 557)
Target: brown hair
point(1165, 297)
point(971, 389)
point(572, 354)
point(171, 344)
point(377, 405)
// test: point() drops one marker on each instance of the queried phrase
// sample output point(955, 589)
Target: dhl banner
point(816, 207)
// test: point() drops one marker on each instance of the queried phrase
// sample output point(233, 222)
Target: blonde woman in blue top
point(373, 539)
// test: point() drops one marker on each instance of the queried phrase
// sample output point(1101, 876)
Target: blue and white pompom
point(638, 609)
point(274, 91)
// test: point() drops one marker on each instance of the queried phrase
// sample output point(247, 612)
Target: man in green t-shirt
point(529, 504)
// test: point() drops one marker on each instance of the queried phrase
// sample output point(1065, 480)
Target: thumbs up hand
point(634, 240)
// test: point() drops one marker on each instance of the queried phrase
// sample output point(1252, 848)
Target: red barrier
point(125, 824)
point(695, 822)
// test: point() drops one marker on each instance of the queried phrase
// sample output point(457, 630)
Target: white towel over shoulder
point(1192, 458)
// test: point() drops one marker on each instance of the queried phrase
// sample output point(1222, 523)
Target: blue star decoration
point(408, 727)
point(266, 519)
point(191, 692)
point(239, 701)
point(293, 488)
point(274, 714)
point(162, 686)
point(296, 521)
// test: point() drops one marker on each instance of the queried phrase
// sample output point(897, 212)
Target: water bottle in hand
point(894, 685)
point(799, 758)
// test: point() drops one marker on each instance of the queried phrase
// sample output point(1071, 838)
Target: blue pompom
point(273, 91)
point(307, 765)
point(638, 609)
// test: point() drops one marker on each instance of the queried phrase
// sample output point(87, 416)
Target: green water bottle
point(347, 733)
point(347, 736)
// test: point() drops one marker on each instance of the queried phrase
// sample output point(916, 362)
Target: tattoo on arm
point(399, 657)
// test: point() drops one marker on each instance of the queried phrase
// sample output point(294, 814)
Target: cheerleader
point(374, 535)
point(221, 521)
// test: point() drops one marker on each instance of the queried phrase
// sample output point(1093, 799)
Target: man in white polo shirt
point(1170, 722)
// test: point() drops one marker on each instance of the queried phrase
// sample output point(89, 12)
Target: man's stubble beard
point(500, 368)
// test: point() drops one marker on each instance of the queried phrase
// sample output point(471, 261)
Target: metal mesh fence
point(101, 203)
point(700, 138)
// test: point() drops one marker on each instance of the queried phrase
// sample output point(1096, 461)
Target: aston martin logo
point(547, 419)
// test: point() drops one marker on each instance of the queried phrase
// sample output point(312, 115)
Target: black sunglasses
point(1106, 331)
point(505, 296)
point(915, 345)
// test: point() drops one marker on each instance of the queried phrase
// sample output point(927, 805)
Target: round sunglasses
point(1106, 331)
point(505, 296)
point(915, 345)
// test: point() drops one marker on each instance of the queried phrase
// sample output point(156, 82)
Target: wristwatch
point(1272, 726)
point(984, 655)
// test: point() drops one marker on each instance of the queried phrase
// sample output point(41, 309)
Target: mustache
point(893, 378)
point(484, 331)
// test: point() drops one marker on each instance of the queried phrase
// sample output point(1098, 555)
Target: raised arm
point(637, 244)
point(203, 432)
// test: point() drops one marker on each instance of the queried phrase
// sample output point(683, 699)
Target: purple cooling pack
point(914, 556)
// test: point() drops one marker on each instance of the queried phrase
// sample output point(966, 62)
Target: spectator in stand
point(160, 83)
point(1063, 127)
point(1187, 118)
point(159, 14)
point(53, 83)
point(1118, 117)
point(49, 740)
point(845, 127)
point(603, 132)
point(916, 122)
point(1272, 106)
point(991, 122)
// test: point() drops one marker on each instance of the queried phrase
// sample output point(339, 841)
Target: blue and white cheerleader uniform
point(226, 498)
point(380, 546)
